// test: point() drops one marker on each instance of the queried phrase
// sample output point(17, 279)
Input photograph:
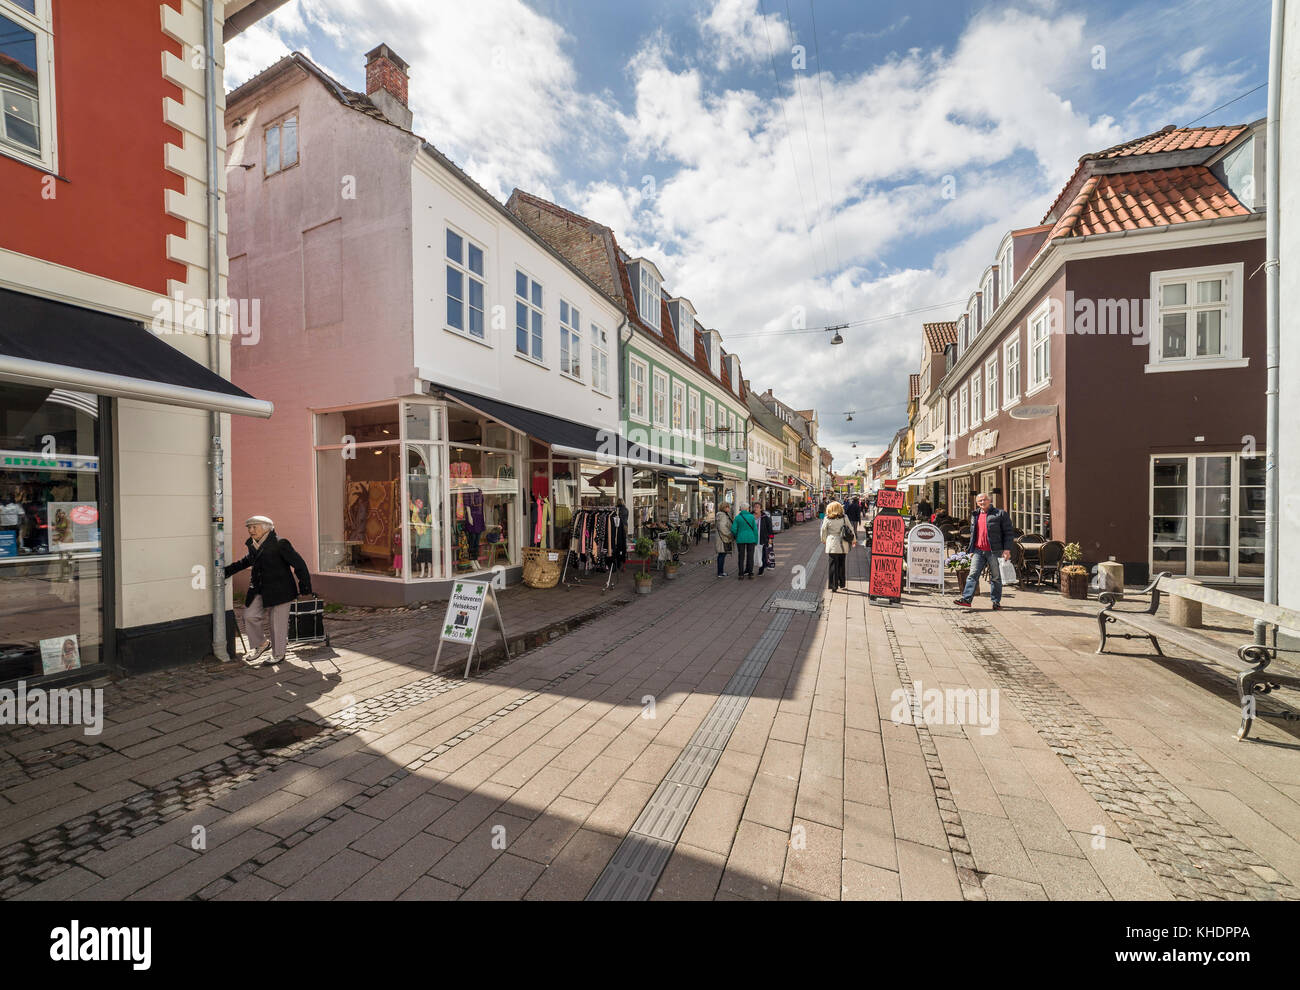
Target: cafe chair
point(1049, 561)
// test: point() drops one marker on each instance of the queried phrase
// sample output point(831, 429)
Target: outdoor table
point(1030, 551)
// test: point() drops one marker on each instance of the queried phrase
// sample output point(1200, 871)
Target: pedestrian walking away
point(722, 538)
point(923, 510)
point(766, 543)
point(838, 540)
point(274, 563)
point(991, 536)
point(745, 531)
point(853, 512)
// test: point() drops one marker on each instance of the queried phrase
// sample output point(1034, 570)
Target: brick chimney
point(386, 79)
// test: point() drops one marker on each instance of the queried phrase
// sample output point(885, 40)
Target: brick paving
point(1106, 777)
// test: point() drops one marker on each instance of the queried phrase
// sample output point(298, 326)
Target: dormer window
point(973, 317)
point(648, 298)
point(1006, 277)
point(990, 303)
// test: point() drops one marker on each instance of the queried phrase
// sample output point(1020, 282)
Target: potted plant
point(1074, 576)
point(674, 541)
point(643, 547)
point(959, 564)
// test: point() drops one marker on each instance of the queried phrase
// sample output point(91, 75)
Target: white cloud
point(738, 33)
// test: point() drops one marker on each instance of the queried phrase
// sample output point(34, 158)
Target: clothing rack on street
point(597, 540)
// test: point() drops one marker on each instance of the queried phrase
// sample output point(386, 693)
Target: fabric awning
point(563, 435)
point(57, 345)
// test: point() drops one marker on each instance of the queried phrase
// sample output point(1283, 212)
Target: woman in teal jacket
point(744, 530)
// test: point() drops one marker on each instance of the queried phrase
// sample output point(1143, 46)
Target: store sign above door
point(924, 447)
point(982, 442)
point(18, 460)
point(1033, 412)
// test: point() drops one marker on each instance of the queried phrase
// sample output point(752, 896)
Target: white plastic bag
point(1008, 571)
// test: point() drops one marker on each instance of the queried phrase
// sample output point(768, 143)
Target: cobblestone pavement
point(1075, 776)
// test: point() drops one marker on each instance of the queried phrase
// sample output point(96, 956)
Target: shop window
point(372, 424)
point(26, 96)
point(1030, 501)
point(51, 568)
point(482, 496)
point(1207, 516)
point(424, 514)
point(358, 495)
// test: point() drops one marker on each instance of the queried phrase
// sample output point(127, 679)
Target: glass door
point(1207, 516)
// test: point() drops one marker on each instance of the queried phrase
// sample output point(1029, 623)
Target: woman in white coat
point(838, 540)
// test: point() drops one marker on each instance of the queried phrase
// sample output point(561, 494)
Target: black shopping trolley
point(307, 622)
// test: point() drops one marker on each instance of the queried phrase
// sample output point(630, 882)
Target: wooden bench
point(1248, 661)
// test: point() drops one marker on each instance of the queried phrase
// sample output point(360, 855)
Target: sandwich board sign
point(465, 615)
point(888, 542)
point(925, 556)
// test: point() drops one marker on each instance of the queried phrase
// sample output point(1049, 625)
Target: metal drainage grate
point(283, 734)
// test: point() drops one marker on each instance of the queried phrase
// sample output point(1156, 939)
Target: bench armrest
point(1108, 598)
point(1258, 653)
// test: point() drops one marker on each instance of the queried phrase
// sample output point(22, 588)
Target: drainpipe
point(216, 481)
point(1272, 196)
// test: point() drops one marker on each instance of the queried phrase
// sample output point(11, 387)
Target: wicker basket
point(539, 571)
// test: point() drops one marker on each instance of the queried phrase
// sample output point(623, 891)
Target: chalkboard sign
point(886, 576)
point(890, 498)
point(887, 535)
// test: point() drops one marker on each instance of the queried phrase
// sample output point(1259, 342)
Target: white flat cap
point(263, 520)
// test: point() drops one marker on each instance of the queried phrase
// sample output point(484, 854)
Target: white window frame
point(638, 391)
point(987, 294)
point(599, 359)
point(1005, 265)
point(677, 406)
point(1231, 327)
point(953, 416)
point(648, 302)
point(278, 126)
point(41, 24)
point(658, 409)
point(1041, 320)
point(532, 308)
point(693, 422)
point(976, 400)
point(570, 341)
point(991, 386)
point(1029, 499)
point(709, 421)
point(1010, 347)
point(963, 409)
point(467, 276)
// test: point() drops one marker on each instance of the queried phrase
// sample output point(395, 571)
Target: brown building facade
point(1112, 394)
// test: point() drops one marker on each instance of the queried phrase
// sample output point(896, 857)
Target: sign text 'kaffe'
point(925, 556)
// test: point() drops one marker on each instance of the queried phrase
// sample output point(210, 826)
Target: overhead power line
point(1228, 104)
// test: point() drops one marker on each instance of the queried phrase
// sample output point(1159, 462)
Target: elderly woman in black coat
point(270, 590)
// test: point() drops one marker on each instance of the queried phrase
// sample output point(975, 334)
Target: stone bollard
point(1185, 611)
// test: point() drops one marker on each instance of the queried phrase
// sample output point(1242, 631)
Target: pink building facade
point(445, 383)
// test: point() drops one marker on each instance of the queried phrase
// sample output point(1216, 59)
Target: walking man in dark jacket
point(270, 590)
point(991, 536)
point(853, 512)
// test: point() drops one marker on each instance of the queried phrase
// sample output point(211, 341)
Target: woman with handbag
point(837, 539)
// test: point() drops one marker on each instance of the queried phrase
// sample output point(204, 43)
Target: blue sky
point(782, 189)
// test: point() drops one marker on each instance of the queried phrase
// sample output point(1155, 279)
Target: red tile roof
point(1168, 138)
point(938, 335)
point(1137, 200)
